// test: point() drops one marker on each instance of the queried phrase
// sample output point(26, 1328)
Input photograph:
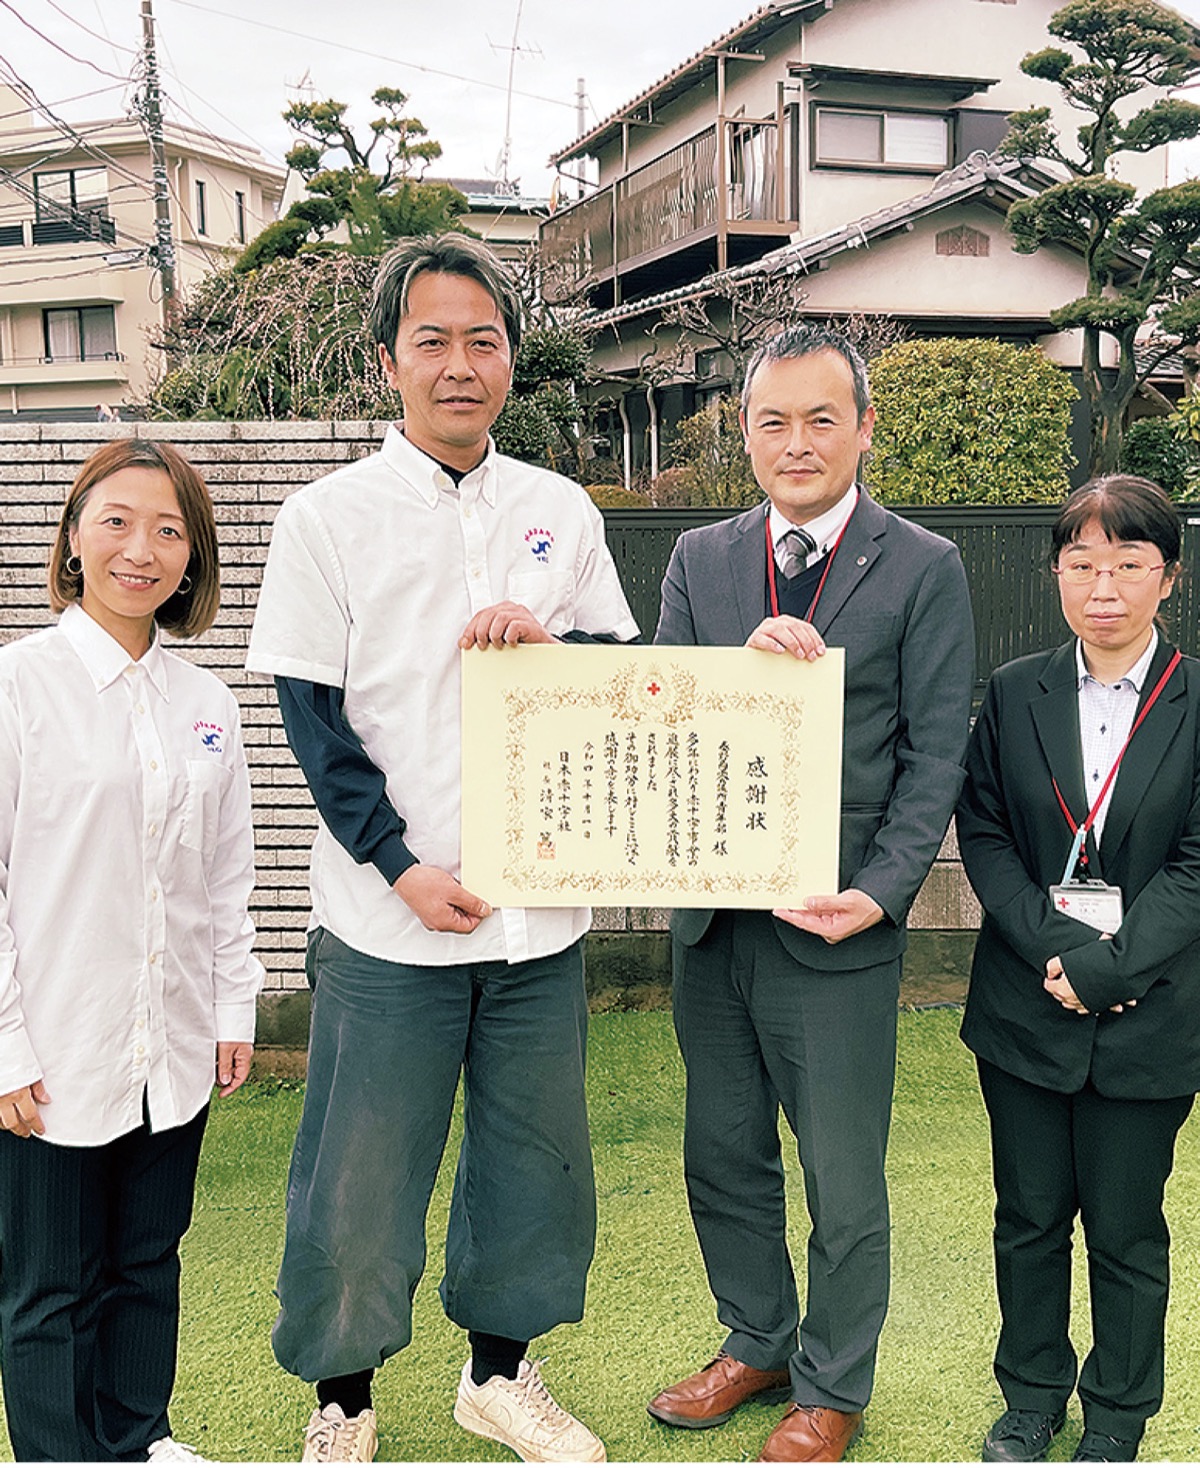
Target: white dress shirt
point(824, 528)
point(372, 575)
point(126, 863)
point(1106, 715)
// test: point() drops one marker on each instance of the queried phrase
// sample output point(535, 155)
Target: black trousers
point(760, 1032)
point(89, 1290)
point(1055, 1156)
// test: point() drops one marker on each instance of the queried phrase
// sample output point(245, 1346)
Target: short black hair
point(803, 340)
point(443, 254)
point(1127, 507)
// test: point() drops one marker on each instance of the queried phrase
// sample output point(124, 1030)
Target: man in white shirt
point(378, 575)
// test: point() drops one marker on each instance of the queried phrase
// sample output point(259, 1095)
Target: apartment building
point(79, 291)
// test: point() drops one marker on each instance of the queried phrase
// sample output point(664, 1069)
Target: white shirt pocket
point(549, 595)
point(207, 782)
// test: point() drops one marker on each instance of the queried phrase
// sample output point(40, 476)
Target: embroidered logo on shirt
point(210, 735)
point(539, 542)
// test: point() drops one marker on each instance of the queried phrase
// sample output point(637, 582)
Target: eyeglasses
point(1083, 573)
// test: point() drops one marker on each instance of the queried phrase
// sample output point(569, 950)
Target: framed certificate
point(650, 776)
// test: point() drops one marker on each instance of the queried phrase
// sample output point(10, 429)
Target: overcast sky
point(233, 65)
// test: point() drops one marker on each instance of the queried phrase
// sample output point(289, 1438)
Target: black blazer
point(1015, 842)
point(896, 600)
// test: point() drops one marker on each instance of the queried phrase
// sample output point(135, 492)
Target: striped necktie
point(793, 550)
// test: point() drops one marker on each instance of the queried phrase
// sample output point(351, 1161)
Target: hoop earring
point(184, 586)
point(76, 569)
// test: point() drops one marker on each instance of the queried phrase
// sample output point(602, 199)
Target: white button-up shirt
point(126, 864)
point(373, 573)
point(1106, 714)
point(824, 528)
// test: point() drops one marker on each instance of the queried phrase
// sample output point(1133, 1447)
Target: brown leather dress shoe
point(713, 1395)
point(812, 1435)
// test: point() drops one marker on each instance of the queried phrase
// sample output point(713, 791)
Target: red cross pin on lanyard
point(771, 581)
point(1078, 856)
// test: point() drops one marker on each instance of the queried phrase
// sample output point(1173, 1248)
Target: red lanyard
point(812, 606)
point(1080, 832)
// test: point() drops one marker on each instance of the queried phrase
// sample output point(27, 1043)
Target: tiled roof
point(760, 22)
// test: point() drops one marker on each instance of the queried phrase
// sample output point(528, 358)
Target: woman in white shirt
point(127, 979)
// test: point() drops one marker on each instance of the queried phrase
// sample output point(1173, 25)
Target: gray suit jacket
point(896, 599)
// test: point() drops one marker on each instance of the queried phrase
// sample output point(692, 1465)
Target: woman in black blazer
point(1084, 1004)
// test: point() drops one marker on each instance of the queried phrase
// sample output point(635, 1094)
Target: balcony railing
point(70, 231)
point(94, 228)
point(674, 199)
point(58, 358)
point(577, 243)
point(669, 199)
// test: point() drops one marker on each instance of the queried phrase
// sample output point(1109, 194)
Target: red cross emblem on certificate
point(653, 688)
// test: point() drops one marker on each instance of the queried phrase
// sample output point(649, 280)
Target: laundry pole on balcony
point(626, 441)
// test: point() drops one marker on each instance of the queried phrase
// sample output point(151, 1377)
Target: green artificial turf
point(650, 1318)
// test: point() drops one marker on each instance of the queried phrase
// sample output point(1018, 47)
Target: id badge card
point(1094, 903)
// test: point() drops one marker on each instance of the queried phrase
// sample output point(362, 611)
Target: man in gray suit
point(798, 1008)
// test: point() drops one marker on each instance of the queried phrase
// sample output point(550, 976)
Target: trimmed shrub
point(713, 466)
point(1152, 448)
point(969, 421)
point(616, 497)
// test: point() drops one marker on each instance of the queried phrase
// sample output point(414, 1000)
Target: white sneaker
point(332, 1437)
point(524, 1416)
point(167, 1450)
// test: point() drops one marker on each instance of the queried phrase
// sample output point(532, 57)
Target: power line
point(74, 19)
point(224, 142)
point(64, 275)
point(104, 28)
point(78, 218)
point(374, 55)
point(65, 213)
point(66, 128)
point(203, 127)
point(62, 102)
point(70, 55)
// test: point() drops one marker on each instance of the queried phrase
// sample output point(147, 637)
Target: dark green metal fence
point(1004, 551)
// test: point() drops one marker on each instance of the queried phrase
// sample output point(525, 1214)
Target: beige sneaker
point(332, 1437)
point(524, 1416)
point(167, 1450)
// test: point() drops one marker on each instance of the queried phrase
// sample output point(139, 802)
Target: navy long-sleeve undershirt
point(349, 790)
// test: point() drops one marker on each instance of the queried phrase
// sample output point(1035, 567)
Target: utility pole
point(152, 116)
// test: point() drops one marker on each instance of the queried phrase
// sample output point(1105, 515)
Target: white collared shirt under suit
point(373, 573)
point(126, 866)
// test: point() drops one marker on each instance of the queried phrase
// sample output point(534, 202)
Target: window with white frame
point(201, 207)
point(853, 137)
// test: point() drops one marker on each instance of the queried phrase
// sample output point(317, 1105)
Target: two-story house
point(843, 141)
point(79, 292)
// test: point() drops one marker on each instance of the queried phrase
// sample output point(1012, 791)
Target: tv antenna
point(504, 184)
point(304, 90)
